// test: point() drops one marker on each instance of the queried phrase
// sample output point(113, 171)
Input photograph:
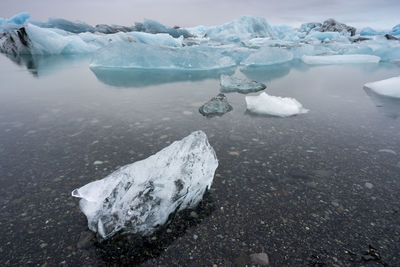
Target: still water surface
point(318, 188)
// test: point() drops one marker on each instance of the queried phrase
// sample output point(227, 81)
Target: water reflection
point(143, 78)
point(39, 65)
point(387, 105)
point(271, 72)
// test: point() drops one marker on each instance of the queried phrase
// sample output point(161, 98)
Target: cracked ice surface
point(139, 197)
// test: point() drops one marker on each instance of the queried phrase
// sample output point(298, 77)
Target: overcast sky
point(379, 14)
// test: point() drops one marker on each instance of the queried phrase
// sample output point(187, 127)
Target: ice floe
point(388, 87)
point(265, 104)
point(340, 59)
point(139, 197)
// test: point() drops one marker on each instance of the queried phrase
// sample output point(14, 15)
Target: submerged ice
point(139, 197)
point(247, 41)
point(240, 85)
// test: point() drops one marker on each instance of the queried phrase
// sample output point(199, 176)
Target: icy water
point(322, 188)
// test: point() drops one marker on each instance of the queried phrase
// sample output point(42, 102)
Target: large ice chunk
point(265, 104)
point(340, 59)
point(243, 86)
point(244, 28)
point(389, 87)
point(139, 56)
point(139, 197)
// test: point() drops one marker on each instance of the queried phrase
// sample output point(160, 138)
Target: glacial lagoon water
point(317, 188)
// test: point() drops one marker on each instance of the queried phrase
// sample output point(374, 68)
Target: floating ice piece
point(243, 86)
point(389, 87)
point(139, 56)
point(218, 105)
point(340, 59)
point(139, 197)
point(244, 28)
point(268, 56)
point(274, 105)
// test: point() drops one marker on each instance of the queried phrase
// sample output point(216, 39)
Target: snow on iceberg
point(243, 86)
point(265, 104)
point(139, 197)
point(389, 87)
point(340, 59)
point(139, 56)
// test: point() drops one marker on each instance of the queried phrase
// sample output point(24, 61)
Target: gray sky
point(379, 14)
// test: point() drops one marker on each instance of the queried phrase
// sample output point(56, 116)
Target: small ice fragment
point(389, 87)
point(369, 185)
point(139, 197)
point(340, 59)
point(243, 86)
point(274, 105)
point(218, 105)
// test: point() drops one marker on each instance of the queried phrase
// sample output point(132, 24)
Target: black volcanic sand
point(318, 189)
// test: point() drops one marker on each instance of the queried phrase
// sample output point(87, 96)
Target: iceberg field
point(265, 104)
point(139, 197)
point(247, 41)
point(389, 87)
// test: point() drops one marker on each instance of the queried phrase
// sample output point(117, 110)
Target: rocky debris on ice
point(388, 87)
point(218, 105)
point(332, 25)
point(140, 197)
point(265, 104)
point(243, 86)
